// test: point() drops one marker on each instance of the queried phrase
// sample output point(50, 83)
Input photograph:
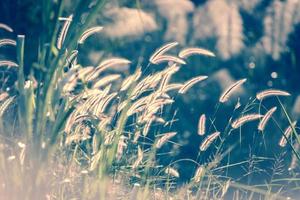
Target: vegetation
point(70, 131)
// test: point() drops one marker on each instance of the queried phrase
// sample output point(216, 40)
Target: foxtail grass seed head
point(187, 85)
point(271, 92)
point(161, 51)
point(225, 188)
point(209, 140)
point(4, 105)
point(63, 32)
point(5, 42)
point(136, 136)
point(139, 158)
point(106, 80)
point(121, 147)
point(287, 134)
point(161, 141)
point(266, 118)
point(201, 124)
point(168, 58)
point(130, 79)
point(194, 51)
point(88, 33)
point(8, 63)
point(244, 119)
point(230, 90)
point(172, 172)
point(6, 27)
point(294, 162)
point(200, 172)
point(3, 96)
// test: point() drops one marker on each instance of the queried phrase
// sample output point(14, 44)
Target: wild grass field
point(80, 121)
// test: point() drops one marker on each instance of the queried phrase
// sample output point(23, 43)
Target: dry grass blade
point(266, 118)
point(4, 42)
point(208, 140)
point(242, 120)
point(187, 85)
point(230, 90)
point(63, 32)
point(201, 124)
point(8, 63)
point(162, 50)
point(171, 171)
point(271, 92)
point(6, 27)
point(287, 133)
point(88, 33)
point(161, 141)
point(193, 51)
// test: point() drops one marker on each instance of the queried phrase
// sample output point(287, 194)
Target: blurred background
point(258, 40)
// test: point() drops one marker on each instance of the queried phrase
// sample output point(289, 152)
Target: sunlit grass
point(76, 132)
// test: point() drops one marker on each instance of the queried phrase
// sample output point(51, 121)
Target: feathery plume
point(168, 58)
point(5, 105)
point(3, 96)
point(287, 134)
point(171, 171)
point(230, 90)
point(88, 33)
point(106, 80)
point(294, 162)
point(139, 158)
point(225, 188)
point(242, 120)
point(187, 85)
point(130, 79)
point(164, 139)
point(271, 92)
point(162, 50)
point(111, 62)
point(4, 42)
point(174, 86)
point(199, 174)
point(147, 127)
point(136, 136)
point(208, 140)
point(8, 63)
point(265, 119)
point(201, 124)
point(6, 27)
point(121, 146)
point(192, 51)
point(63, 32)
